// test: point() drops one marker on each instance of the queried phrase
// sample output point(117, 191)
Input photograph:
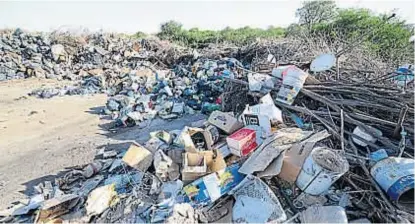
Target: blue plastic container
point(396, 177)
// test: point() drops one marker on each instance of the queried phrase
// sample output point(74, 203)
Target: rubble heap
point(282, 142)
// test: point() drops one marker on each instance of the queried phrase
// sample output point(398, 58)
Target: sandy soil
point(40, 138)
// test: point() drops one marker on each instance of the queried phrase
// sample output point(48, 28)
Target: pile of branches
point(341, 108)
point(355, 62)
point(357, 92)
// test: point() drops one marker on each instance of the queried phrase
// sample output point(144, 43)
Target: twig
point(402, 143)
point(331, 118)
point(342, 129)
point(402, 115)
point(325, 123)
point(338, 68)
point(374, 183)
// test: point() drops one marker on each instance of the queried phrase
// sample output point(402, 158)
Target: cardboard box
point(199, 164)
point(270, 110)
point(242, 142)
point(222, 148)
point(262, 121)
point(224, 122)
point(213, 133)
point(194, 166)
point(295, 156)
point(262, 115)
point(293, 81)
point(162, 135)
point(138, 157)
point(214, 160)
point(194, 139)
point(245, 151)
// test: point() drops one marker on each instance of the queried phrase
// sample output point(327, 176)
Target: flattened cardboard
point(57, 206)
point(295, 156)
point(274, 168)
point(207, 189)
point(271, 149)
point(293, 161)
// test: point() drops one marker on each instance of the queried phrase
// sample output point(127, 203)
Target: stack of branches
point(216, 52)
point(165, 53)
point(69, 39)
point(355, 62)
point(385, 108)
point(234, 91)
point(340, 108)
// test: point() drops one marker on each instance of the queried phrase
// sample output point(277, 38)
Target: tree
point(170, 30)
point(294, 29)
point(313, 12)
point(140, 35)
point(387, 38)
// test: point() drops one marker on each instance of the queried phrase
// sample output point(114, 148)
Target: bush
point(140, 35)
point(194, 37)
point(389, 39)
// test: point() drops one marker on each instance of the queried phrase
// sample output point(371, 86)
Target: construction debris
point(284, 140)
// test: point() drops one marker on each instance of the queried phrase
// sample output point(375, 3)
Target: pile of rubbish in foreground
point(281, 143)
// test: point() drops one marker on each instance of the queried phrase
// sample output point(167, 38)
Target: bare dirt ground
point(40, 138)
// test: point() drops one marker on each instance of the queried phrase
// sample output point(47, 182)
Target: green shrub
point(389, 39)
point(195, 37)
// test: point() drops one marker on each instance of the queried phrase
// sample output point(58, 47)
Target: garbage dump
point(281, 142)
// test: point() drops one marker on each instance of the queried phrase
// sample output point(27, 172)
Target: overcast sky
point(147, 16)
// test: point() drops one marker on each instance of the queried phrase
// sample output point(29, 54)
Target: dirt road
point(39, 138)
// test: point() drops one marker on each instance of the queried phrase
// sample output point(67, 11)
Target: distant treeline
point(195, 37)
point(386, 35)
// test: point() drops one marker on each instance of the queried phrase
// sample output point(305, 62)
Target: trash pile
point(93, 60)
point(169, 93)
point(139, 76)
point(279, 144)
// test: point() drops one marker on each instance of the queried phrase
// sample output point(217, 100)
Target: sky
point(146, 16)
